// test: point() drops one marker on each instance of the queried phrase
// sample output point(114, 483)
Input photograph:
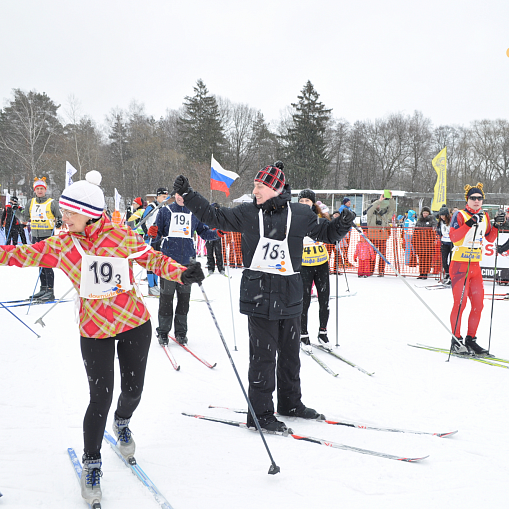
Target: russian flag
point(221, 179)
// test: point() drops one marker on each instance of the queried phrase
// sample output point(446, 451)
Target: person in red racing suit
point(468, 229)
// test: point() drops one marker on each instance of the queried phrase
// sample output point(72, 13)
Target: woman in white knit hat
point(97, 257)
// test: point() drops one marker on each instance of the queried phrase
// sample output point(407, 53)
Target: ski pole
point(39, 320)
point(18, 318)
point(230, 288)
point(336, 266)
point(493, 293)
point(273, 469)
point(344, 271)
point(463, 291)
point(402, 278)
point(35, 287)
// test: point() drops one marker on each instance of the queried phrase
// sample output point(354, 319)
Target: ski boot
point(270, 424)
point(40, 293)
point(305, 344)
point(475, 349)
point(303, 412)
point(48, 296)
point(125, 442)
point(458, 346)
point(91, 479)
point(162, 338)
point(323, 340)
point(182, 339)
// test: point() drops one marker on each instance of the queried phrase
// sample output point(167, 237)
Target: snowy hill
point(197, 464)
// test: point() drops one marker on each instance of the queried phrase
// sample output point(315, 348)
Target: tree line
point(137, 153)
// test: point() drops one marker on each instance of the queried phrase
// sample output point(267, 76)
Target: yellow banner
point(440, 165)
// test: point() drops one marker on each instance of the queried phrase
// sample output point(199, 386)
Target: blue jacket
point(179, 249)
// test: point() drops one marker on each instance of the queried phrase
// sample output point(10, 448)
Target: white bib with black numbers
point(180, 225)
point(103, 277)
point(273, 256)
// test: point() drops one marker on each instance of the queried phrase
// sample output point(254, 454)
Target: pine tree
point(200, 130)
point(307, 154)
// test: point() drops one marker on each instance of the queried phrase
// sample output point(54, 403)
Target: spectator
point(365, 254)
point(215, 250)
point(443, 227)
point(409, 227)
point(423, 241)
point(379, 217)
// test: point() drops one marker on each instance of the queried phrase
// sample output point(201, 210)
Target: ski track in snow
point(198, 464)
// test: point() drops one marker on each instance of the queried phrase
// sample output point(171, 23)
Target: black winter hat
point(162, 190)
point(272, 176)
point(309, 194)
point(444, 211)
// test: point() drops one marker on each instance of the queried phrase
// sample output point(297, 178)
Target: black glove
point(345, 220)
point(503, 248)
point(58, 223)
point(181, 185)
point(15, 207)
point(193, 274)
point(499, 220)
point(475, 219)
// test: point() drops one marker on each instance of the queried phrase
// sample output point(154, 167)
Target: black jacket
point(261, 294)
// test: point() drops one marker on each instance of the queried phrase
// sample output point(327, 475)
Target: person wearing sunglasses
point(468, 229)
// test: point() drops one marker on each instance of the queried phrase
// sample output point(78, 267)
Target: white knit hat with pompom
point(85, 196)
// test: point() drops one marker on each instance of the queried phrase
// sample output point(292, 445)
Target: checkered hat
point(85, 196)
point(272, 177)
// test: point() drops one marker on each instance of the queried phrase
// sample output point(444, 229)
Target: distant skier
point(44, 216)
point(174, 228)
point(272, 230)
point(315, 269)
point(468, 229)
point(97, 256)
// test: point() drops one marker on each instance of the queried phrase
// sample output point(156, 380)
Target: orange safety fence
point(411, 251)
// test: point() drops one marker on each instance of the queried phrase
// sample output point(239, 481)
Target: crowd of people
point(285, 254)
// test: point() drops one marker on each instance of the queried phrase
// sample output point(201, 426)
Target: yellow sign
point(440, 165)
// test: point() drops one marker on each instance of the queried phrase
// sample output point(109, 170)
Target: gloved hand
point(220, 233)
point(503, 248)
point(58, 223)
point(345, 220)
point(193, 274)
point(181, 185)
point(499, 220)
point(152, 231)
point(15, 207)
point(475, 219)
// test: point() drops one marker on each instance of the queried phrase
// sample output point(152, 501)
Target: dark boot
point(41, 292)
point(47, 296)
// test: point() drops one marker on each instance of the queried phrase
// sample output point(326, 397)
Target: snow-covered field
point(198, 464)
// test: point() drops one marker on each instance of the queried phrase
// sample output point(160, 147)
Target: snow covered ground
point(197, 464)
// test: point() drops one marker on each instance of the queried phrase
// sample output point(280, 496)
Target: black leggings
point(446, 249)
point(320, 275)
point(99, 357)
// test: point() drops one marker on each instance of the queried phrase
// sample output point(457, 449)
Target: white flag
point(7, 197)
point(117, 200)
point(70, 170)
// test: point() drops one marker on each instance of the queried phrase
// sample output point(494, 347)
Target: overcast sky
point(366, 59)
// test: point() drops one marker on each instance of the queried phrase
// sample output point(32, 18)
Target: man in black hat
point(271, 290)
point(161, 195)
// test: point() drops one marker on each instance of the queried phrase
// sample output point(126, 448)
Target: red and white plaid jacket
point(99, 318)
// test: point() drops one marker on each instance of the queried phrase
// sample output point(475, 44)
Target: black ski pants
point(214, 249)
point(268, 339)
point(446, 250)
point(320, 275)
point(99, 358)
point(165, 315)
